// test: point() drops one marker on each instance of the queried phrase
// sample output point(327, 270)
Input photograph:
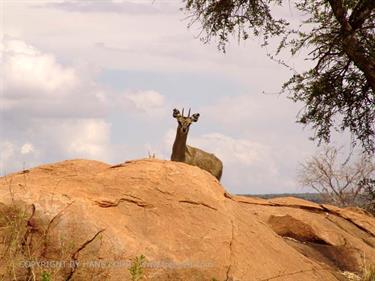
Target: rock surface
point(99, 218)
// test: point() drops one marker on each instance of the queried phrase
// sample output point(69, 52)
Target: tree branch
point(361, 12)
point(353, 48)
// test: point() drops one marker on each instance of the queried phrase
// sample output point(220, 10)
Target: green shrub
point(136, 269)
point(46, 276)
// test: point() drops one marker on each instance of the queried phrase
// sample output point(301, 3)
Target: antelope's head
point(184, 122)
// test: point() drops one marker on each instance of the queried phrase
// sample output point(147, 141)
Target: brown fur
point(206, 161)
point(192, 155)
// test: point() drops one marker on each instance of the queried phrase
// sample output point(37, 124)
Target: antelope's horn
point(189, 112)
point(182, 112)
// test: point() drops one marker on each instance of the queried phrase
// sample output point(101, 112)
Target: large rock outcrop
point(87, 220)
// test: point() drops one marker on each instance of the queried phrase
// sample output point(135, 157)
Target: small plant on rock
point(136, 270)
point(46, 276)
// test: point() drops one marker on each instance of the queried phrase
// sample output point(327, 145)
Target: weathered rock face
point(97, 218)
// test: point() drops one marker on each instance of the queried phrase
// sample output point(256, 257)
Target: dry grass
point(15, 242)
point(28, 251)
point(368, 273)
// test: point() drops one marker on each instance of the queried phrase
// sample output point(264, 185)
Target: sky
point(99, 80)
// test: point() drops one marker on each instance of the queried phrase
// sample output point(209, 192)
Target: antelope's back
point(204, 160)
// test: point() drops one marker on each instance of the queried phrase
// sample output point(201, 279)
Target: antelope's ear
point(195, 117)
point(176, 113)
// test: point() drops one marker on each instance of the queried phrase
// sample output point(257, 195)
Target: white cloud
point(46, 105)
point(52, 112)
point(27, 148)
point(35, 84)
point(246, 163)
point(7, 150)
point(145, 101)
point(26, 68)
point(233, 151)
point(161, 42)
point(252, 109)
point(56, 140)
point(112, 6)
point(88, 138)
point(13, 156)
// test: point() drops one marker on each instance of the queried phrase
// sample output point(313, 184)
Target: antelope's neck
point(179, 146)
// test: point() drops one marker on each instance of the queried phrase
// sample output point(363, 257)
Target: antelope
point(181, 152)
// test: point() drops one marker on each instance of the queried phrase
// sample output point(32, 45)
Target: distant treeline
point(314, 197)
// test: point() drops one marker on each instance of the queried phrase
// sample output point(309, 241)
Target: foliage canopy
point(339, 91)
